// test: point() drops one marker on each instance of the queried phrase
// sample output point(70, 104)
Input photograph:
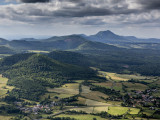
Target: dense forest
point(41, 71)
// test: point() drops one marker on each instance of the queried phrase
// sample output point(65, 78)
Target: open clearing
point(54, 95)
point(134, 111)
point(135, 86)
point(116, 86)
point(91, 109)
point(121, 77)
point(82, 117)
point(95, 95)
point(122, 110)
point(71, 88)
point(117, 110)
point(85, 89)
point(5, 117)
point(3, 86)
point(38, 51)
point(95, 103)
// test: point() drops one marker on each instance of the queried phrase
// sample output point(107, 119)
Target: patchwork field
point(135, 86)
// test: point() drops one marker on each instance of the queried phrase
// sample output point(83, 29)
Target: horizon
point(49, 36)
point(44, 18)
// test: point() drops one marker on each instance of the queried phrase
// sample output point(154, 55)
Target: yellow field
point(85, 89)
point(82, 117)
point(117, 110)
point(95, 103)
point(120, 77)
point(134, 110)
point(38, 51)
point(5, 117)
point(115, 77)
point(71, 88)
point(95, 95)
point(91, 109)
point(79, 81)
point(81, 100)
point(107, 84)
point(114, 103)
point(3, 86)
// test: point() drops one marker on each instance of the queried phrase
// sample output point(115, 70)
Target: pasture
point(82, 117)
point(95, 95)
point(70, 88)
point(5, 117)
point(38, 51)
point(3, 86)
point(135, 86)
point(117, 110)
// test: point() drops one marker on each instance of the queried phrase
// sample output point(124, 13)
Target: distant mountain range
point(103, 41)
point(112, 38)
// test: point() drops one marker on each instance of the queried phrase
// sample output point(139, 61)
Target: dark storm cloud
point(150, 4)
point(86, 12)
point(34, 1)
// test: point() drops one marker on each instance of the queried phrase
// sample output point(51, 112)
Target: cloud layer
point(34, 1)
point(140, 13)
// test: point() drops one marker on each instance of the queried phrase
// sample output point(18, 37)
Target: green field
point(3, 86)
point(38, 51)
point(82, 117)
point(71, 88)
point(134, 111)
point(5, 117)
point(135, 86)
point(117, 110)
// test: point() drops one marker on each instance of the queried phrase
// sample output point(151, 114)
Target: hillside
point(70, 58)
point(71, 42)
point(3, 41)
point(31, 74)
point(6, 50)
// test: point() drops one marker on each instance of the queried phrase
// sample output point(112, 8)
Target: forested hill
point(6, 50)
point(70, 58)
point(31, 74)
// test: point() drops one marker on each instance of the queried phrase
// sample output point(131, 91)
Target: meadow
point(3, 86)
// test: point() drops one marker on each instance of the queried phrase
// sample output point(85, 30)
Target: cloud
point(83, 12)
point(149, 4)
point(34, 1)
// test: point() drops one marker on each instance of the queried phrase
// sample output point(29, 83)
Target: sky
point(45, 18)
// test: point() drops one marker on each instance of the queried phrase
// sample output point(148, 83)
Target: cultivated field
point(135, 86)
point(72, 88)
point(82, 117)
point(3, 86)
point(5, 117)
point(38, 51)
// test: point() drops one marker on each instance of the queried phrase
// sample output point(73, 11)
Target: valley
point(75, 77)
point(82, 100)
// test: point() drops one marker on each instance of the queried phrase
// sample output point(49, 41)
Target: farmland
point(3, 86)
point(69, 98)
